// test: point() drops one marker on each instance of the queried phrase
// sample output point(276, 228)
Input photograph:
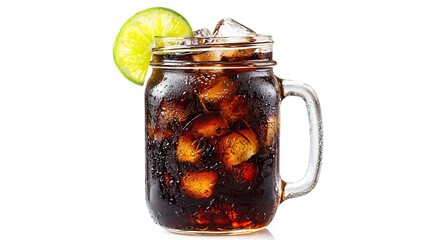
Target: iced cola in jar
point(212, 131)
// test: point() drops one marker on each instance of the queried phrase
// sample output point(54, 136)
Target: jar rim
point(213, 52)
point(186, 43)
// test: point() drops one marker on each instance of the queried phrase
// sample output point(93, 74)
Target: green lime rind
point(132, 49)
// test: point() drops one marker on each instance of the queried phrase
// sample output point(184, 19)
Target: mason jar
point(212, 135)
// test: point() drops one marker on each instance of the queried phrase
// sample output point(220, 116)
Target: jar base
point(215, 233)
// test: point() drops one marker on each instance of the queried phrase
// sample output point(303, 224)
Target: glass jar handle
point(309, 181)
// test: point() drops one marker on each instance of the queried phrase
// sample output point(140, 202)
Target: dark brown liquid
point(212, 148)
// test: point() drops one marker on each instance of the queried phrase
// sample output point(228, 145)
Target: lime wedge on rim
point(133, 45)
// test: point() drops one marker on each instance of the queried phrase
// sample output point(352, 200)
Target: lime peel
point(132, 50)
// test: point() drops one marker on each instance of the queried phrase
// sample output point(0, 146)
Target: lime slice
point(133, 45)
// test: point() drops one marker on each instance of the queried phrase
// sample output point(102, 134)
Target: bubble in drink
point(167, 180)
point(206, 79)
point(237, 147)
point(199, 184)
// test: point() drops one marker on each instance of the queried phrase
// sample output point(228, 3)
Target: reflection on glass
point(264, 234)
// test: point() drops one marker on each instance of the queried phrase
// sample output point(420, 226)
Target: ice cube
point(241, 224)
point(244, 172)
point(203, 32)
point(214, 213)
point(272, 130)
point(209, 125)
point(230, 55)
point(237, 147)
point(238, 54)
point(234, 108)
point(228, 27)
point(206, 78)
point(240, 177)
point(189, 148)
point(209, 56)
point(157, 134)
point(203, 35)
point(172, 111)
point(221, 87)
point(199, 184)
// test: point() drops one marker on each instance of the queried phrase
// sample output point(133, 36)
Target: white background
point(71, 127)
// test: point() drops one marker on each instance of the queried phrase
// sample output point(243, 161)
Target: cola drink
point(212, 136)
